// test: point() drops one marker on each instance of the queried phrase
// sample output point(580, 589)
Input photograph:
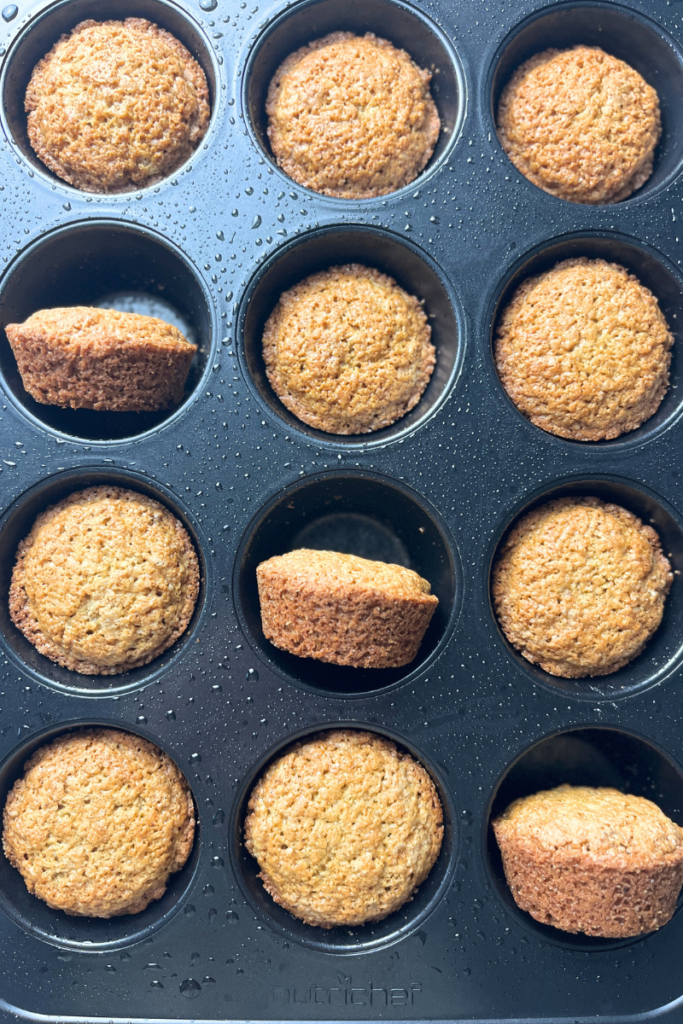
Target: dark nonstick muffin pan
point(210, 249)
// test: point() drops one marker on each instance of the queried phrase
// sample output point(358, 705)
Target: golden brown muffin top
point(348, 351)
point(106, 580)
point(580, 124)
point(583, 350)
point(344, 827)
point(91, 329)
point(582, 825)
point(351, 116)
point(116, 105)
point(98, 822)
point(579, 586)
point(333, 571)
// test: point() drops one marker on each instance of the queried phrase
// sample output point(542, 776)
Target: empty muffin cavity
point(115, 266)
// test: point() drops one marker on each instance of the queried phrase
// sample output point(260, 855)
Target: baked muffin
point(351, 116)
point(583, 350)
point(98, 823)
point(343, 609)
point(106, 580)
point(348, 351)
point(579, 587)
point(80, 357)
point(116, 105)
point(344, 827)
point(580, 124)
point(592, 860)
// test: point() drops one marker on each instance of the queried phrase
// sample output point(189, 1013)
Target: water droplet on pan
point(190, 988)
point(10, 12)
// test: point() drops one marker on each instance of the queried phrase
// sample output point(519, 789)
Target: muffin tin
point(211, 248)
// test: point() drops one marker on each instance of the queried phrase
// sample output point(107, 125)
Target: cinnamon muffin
point(579, 586)
point(116, 105)
point(98, 823)
point(344, 827)
point(348, 351)
point(583, 350)
point(592, 860)
point(80, 357)
point(351, 116)
point(580, 124)
point(106, 580)
point(343, 609)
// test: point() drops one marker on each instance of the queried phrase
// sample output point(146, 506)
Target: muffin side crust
point(106, 581)
point(583, 350)
point(343, 609)
point(348, 351)
point(592, 860)
point(351, 116)
point(82, 357)
point(345, 827)
point(580, 124)
point(116, 105)
point(98, 823)
point(579, 587)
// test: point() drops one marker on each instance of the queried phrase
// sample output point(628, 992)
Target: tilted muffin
point(590, 860)
point(106, 580)
point(583, 350)
point(579, 586)
point(343, 609)
point(351, 116)
point(344, 827)
point(580, 124)
point(89, 358)
point(98, 823)
point(116, 105)
point(348, 351)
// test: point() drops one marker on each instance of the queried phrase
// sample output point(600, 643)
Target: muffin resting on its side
point(88, 358)
point(106, 580)
point(592, 860)
point(351, 116)
point(343, 609)
point(579, 587)
point(348, 351)
point(344, 827)
point(580, 124)
point(98, 823)
point(116, 105)
point(583, 350)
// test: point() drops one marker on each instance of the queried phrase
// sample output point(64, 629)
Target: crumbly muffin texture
point(580, 124)
point(116, 105)
point(348, 351)
point(592, 860)
point(579, 586)
point(351, 116)
point(344, 827)
point(583, 350)
point(343, 609)
point(83, 357)
point(106, 580)
point(98, 823)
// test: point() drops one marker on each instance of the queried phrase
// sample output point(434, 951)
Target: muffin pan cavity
point(81, 934)
point(362, 938)
point(360, 514)
point(16, 524)
point(583, 757)
point(624, 33)
point(411, 268)
point(653, 270)
point(115, 266)
point(400, 23)
point(59, 19)
point(664, 651)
